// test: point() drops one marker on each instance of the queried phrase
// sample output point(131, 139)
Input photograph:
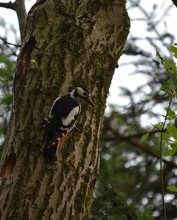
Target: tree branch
point(141, 146)
point(8, 5)
point(19, 7)
point(174, 2)
point(138, 135)
point(21, 14)
point(8, 43)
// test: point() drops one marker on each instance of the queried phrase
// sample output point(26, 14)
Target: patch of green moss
point(102, 76)
point(87, 139)
point(80, 198)
point(89, 199)
point(84, 195)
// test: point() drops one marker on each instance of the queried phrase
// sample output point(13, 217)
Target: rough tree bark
point(67, 44)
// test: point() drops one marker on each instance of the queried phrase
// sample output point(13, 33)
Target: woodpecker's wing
point(64, 110)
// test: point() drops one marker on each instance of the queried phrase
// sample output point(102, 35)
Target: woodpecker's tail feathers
point(49, 153)
point(51, 139)
point(50, 148)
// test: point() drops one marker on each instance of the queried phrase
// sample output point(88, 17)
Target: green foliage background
point(6, 76)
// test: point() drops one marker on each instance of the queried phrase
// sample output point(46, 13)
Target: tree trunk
point(67, 44)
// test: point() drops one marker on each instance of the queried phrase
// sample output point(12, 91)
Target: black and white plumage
point(61, 120)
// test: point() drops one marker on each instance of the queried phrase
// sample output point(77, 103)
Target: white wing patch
point(71, 117)
point(50, 113)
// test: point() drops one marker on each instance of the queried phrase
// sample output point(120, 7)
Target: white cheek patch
point(71, 117)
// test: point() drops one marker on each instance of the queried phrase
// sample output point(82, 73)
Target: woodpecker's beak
point(89, 100)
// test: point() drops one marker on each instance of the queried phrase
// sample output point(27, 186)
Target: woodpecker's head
point(79, 92)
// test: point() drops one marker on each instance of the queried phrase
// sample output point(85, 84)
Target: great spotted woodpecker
point(61, 120)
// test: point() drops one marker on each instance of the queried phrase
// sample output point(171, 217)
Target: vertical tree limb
point(19, 7)
point(21, 14)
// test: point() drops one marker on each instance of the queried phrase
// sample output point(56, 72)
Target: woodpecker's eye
point(85, 93)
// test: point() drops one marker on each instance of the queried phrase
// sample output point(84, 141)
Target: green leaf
point(169, 63)
point(166, 138)
point(166, 88)
point(158, 125)
point(170, 151)
point(172, 130)
point(172, 188)
point(144, 137)
point(6, 99)
point(174, 50)
point(171, 114)
point(171, 66)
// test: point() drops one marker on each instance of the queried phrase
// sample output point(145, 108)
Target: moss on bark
point(66, 44)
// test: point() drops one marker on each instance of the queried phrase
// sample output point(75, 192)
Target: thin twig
point(6, 42)
point(161, 161)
